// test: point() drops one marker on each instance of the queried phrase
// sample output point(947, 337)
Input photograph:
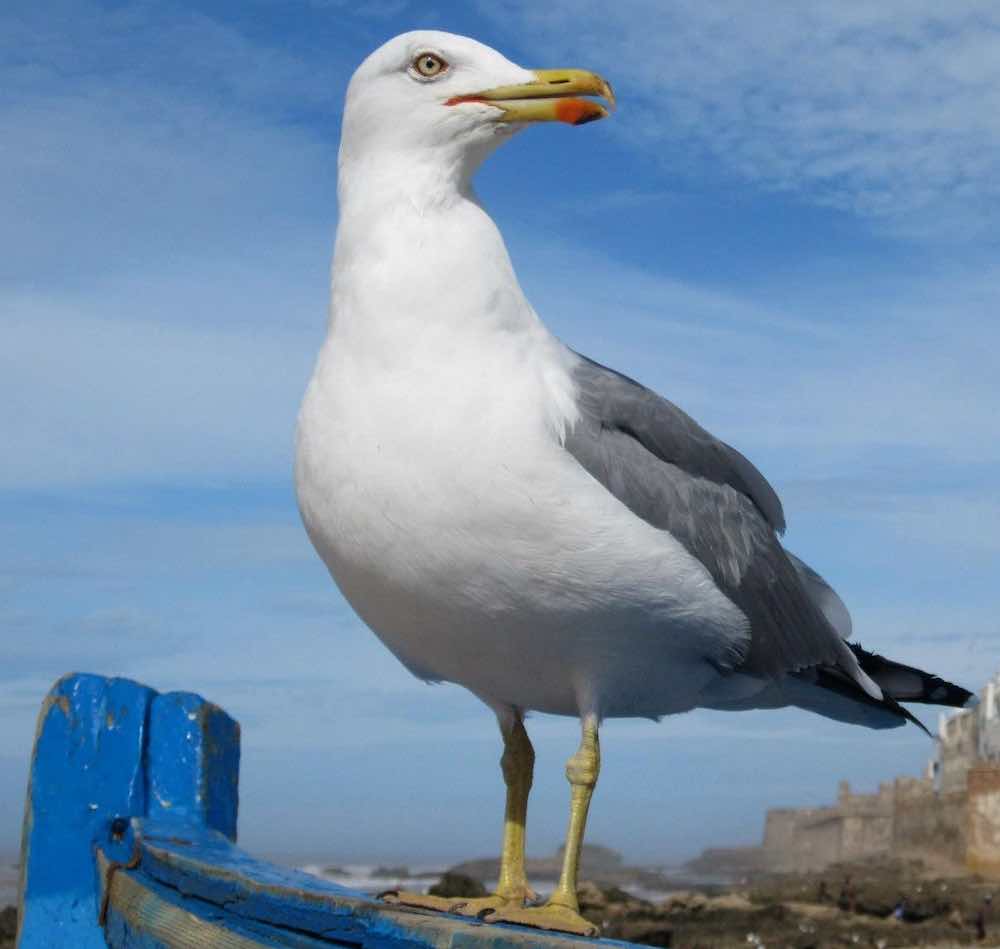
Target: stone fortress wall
point(951, 815)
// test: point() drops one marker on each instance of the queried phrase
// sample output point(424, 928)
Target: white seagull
point(509, 515)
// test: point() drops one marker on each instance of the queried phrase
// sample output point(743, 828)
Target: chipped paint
point(83, 774)
point(139, 916)
point(215, 871)
point(194, 760)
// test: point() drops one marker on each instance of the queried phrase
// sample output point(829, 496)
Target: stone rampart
point(982, 828)
point(928, 822)
point(950, 817)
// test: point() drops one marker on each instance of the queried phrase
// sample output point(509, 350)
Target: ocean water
point(356, 876)
point(362, 877)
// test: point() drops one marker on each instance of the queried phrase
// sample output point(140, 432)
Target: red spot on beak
point(578, 111)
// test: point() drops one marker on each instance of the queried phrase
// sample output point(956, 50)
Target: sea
point(371, 879)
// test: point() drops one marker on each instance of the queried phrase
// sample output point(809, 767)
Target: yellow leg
point(518, 766)
point(582, 771)
point(562, 911)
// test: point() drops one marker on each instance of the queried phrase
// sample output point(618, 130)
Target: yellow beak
point(550, 98)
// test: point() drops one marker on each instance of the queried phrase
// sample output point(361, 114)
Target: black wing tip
point(931, 689)
point(835, 680)
point(910, 717)
point(954, 696)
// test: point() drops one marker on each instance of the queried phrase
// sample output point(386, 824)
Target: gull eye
point(429, 65)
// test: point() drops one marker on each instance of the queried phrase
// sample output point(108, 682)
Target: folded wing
point(678, 477)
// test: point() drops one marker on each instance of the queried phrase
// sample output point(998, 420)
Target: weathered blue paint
point(260, 898)
point(146, 913)
point(107, 750)
point(193, 762)
point(86, 771)
point(130, 835)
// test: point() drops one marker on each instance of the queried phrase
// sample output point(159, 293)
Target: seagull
point(507, 514)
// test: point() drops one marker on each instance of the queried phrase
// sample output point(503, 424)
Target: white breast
point(439, 495)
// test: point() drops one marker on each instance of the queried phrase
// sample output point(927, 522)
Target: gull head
point(428, 93)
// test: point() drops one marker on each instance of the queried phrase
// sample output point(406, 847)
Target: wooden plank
point(207, 866)
point(142, 915)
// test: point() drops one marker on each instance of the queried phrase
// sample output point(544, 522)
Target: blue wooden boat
point(130, 841)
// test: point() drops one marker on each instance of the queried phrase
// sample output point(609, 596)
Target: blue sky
point(788, 227)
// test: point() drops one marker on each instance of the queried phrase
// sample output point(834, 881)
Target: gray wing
point(619, 403)
point(824, 596)
point(676, 476)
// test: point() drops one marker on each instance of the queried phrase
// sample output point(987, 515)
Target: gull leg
point(518, 765)
point(562, 911)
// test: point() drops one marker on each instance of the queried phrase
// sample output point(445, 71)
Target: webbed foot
point(438, 904)
point(483, 906)
point(551, 916)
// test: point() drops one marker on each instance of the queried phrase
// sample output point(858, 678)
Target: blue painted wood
point(211, 872)
point(129, 841)
point(86, 771)
point(193, 762)
point(107, 750)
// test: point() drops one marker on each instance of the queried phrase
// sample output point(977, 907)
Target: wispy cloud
point(171, 273)
point(833, 378)
point(157, 52)
point(889, 110)
point(116, 400)
point(377, 9)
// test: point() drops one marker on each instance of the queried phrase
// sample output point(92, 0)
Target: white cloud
point(890, 110)
point(94, 399)
point(156, 52)
point(154, 182)
point(200, 375)
point(376, 9)
point(959, 522)
point(836, 378)
point(166, 247)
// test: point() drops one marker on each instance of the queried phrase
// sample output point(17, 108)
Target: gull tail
point(908, 684)
point(859, 707)
point(838, 694)
point(865, 688)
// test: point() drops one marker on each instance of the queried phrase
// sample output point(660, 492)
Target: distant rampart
point(951, 816)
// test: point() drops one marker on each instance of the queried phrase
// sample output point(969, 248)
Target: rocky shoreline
point(882, 905)
point(8, 927)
